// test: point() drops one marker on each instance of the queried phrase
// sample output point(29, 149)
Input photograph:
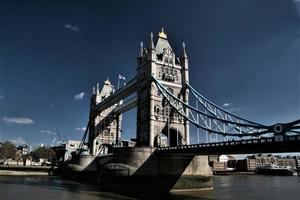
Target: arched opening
point(175, 138)
point(104, 149)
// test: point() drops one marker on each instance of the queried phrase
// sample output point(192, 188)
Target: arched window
point(156, 111)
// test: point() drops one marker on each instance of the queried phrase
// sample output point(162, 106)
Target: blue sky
point(243, 55)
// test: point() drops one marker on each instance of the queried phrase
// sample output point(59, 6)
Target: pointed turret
point(141, 52)
point(151, 43)
point(183, 53)
point(185, 65)
point(151, 49)
point(162, 42)
point(97, 89)
point(94, 91)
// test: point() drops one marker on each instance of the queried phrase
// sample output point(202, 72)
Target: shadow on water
point(202, 195)
point(53, 184)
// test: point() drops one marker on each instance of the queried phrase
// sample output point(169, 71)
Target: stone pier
point(143, 169)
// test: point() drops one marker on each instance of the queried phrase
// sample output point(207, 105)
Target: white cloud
point(72, 27)
point(49, 132)
point(226, 104)
point(18, 141)
point(79, 96)
point(18, 120)
point(231, 109)
point(80, 129)
point(234, 109)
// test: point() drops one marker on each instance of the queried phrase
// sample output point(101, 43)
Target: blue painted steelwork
point(215, 119)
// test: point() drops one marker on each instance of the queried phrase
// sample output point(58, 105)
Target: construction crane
point(59, 138)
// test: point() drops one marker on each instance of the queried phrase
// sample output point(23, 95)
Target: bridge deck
point(292, 144)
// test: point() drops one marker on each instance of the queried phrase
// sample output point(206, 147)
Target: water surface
point(247, 187)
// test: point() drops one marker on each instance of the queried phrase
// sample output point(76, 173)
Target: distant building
point(71, 146)
point(252, 162)
point(222, 162)
point(128, 143)
point(24, 148)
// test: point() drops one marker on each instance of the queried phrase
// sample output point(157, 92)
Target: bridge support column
point(143, 169)
point(117, 129)
point(151, 136)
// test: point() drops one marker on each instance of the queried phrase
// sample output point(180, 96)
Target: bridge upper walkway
point(212, 119)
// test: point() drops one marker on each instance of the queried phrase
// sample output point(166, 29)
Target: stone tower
point(158, 124)
point(105, 127)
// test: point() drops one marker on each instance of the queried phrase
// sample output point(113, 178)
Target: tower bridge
point(163, 97)
point(167, 105)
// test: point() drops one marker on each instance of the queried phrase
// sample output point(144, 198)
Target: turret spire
point(97, 88)
point(183, 54)
point(151, 44)
point(141, 50)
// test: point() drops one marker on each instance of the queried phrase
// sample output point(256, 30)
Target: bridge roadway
point(249, 146)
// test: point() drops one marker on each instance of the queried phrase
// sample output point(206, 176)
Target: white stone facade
point(155, 117)
point(103, 129)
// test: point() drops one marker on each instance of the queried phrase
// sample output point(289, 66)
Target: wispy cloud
point(2, 97)
point(79, 96)
point(18, 141)
point(80, 129)
point(18, 120)
point(72, 27)
point(228, 107)
point(234, 109)
point(48, 131)
point(226, 104)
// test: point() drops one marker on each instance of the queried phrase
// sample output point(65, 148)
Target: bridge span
point(249, 146)
point(167, 105)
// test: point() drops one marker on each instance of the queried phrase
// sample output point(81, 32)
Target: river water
point(231, 187)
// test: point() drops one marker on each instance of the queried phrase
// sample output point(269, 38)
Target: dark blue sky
point(243, 53)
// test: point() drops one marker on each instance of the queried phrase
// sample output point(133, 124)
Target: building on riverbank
point(252, 162)
point(222, 163)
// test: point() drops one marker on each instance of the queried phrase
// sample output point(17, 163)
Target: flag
point(121, 77)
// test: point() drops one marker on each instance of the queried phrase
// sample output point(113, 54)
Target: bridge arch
point(168, 136)
point(104, 149)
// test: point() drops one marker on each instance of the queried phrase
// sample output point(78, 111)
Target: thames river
point(239, 187)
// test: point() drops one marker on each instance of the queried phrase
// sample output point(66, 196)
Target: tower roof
point(162, 34)
point(107, 89)
point(162, 42)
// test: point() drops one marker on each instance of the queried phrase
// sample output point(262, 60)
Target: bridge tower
point(158, 124)
point(105, 126)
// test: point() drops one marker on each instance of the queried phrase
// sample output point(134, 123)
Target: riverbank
point(233, 173)
point(18, 170)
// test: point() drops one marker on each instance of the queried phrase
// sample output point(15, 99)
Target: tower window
point(156, 110)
